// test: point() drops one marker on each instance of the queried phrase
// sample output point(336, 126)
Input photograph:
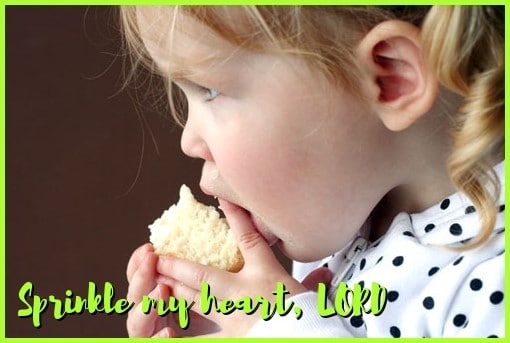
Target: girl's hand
point(259, 277)
point(141, 275)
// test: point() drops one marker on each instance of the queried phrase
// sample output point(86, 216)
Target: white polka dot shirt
point(431, 291)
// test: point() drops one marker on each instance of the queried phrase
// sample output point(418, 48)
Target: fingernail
point(161, 263)
point(147, 247)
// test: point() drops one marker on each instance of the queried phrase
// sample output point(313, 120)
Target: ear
point(400, 86)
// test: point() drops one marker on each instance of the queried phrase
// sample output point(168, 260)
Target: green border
point(2, 171)
point(507, 178)
point(258, 2)
point(99, 2)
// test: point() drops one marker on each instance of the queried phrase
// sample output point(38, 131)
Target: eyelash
point(209, 93)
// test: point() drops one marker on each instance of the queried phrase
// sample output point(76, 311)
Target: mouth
point(256, 222)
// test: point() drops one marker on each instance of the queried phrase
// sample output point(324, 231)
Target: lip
point(261, 228)
point(208, 191)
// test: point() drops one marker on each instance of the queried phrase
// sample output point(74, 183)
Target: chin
point(302, 254)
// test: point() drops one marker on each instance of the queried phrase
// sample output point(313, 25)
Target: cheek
point(256, 167)
point(264, 174)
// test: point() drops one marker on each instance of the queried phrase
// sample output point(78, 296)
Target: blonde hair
point(464, 47)
point(462, 44)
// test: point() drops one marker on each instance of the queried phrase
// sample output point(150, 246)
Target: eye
point(210, 93)
point(205, 93)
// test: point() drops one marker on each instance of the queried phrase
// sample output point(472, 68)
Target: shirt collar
point(454, 220)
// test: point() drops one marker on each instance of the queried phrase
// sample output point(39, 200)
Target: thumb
point(251, 243)
point(319, 275)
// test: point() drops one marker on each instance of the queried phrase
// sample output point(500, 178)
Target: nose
point(192, 142)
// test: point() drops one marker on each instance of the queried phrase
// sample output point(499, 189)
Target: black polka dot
point(475, 284)
point(376, 244)
point(325, 265)
point(492, 336)
point(357, 321)
point(397, 261)
point(392, 296)
point(361, 283)
point(456, 229)
point(408, 233)
point(457, 261)
point(362, 264)
point(395, 332)
point(433, 270)
point(501, 208)
point(496, 297)
point(380, 259)
point(428, 303)
point(500, 230)
point(459, 320)
point(445, 203)
point(470, 209)
point(429, 227)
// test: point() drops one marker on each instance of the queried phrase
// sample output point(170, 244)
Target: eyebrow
point(204, 65)
point(180, 73)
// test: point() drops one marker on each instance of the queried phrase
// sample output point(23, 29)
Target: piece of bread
point(194, 231)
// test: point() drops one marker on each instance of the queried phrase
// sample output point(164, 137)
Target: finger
point(136, 258)
point(140, 324)
point(143, 279)
point(193, 274)
point(181, 291)
point(203, 319)
point(166, 332)
point(200, 322)
point(252, 244)
point(319, 275)
point(168, 321)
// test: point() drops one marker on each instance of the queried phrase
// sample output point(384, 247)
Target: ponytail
point(464, 46)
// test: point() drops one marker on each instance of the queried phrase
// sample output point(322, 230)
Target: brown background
point(86, 169)
point(75, 206)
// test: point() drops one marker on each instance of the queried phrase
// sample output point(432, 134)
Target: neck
point(422, 166)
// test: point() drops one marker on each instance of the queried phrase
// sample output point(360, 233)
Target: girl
point(365, 142)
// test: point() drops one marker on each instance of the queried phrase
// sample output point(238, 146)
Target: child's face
point(302, 156)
